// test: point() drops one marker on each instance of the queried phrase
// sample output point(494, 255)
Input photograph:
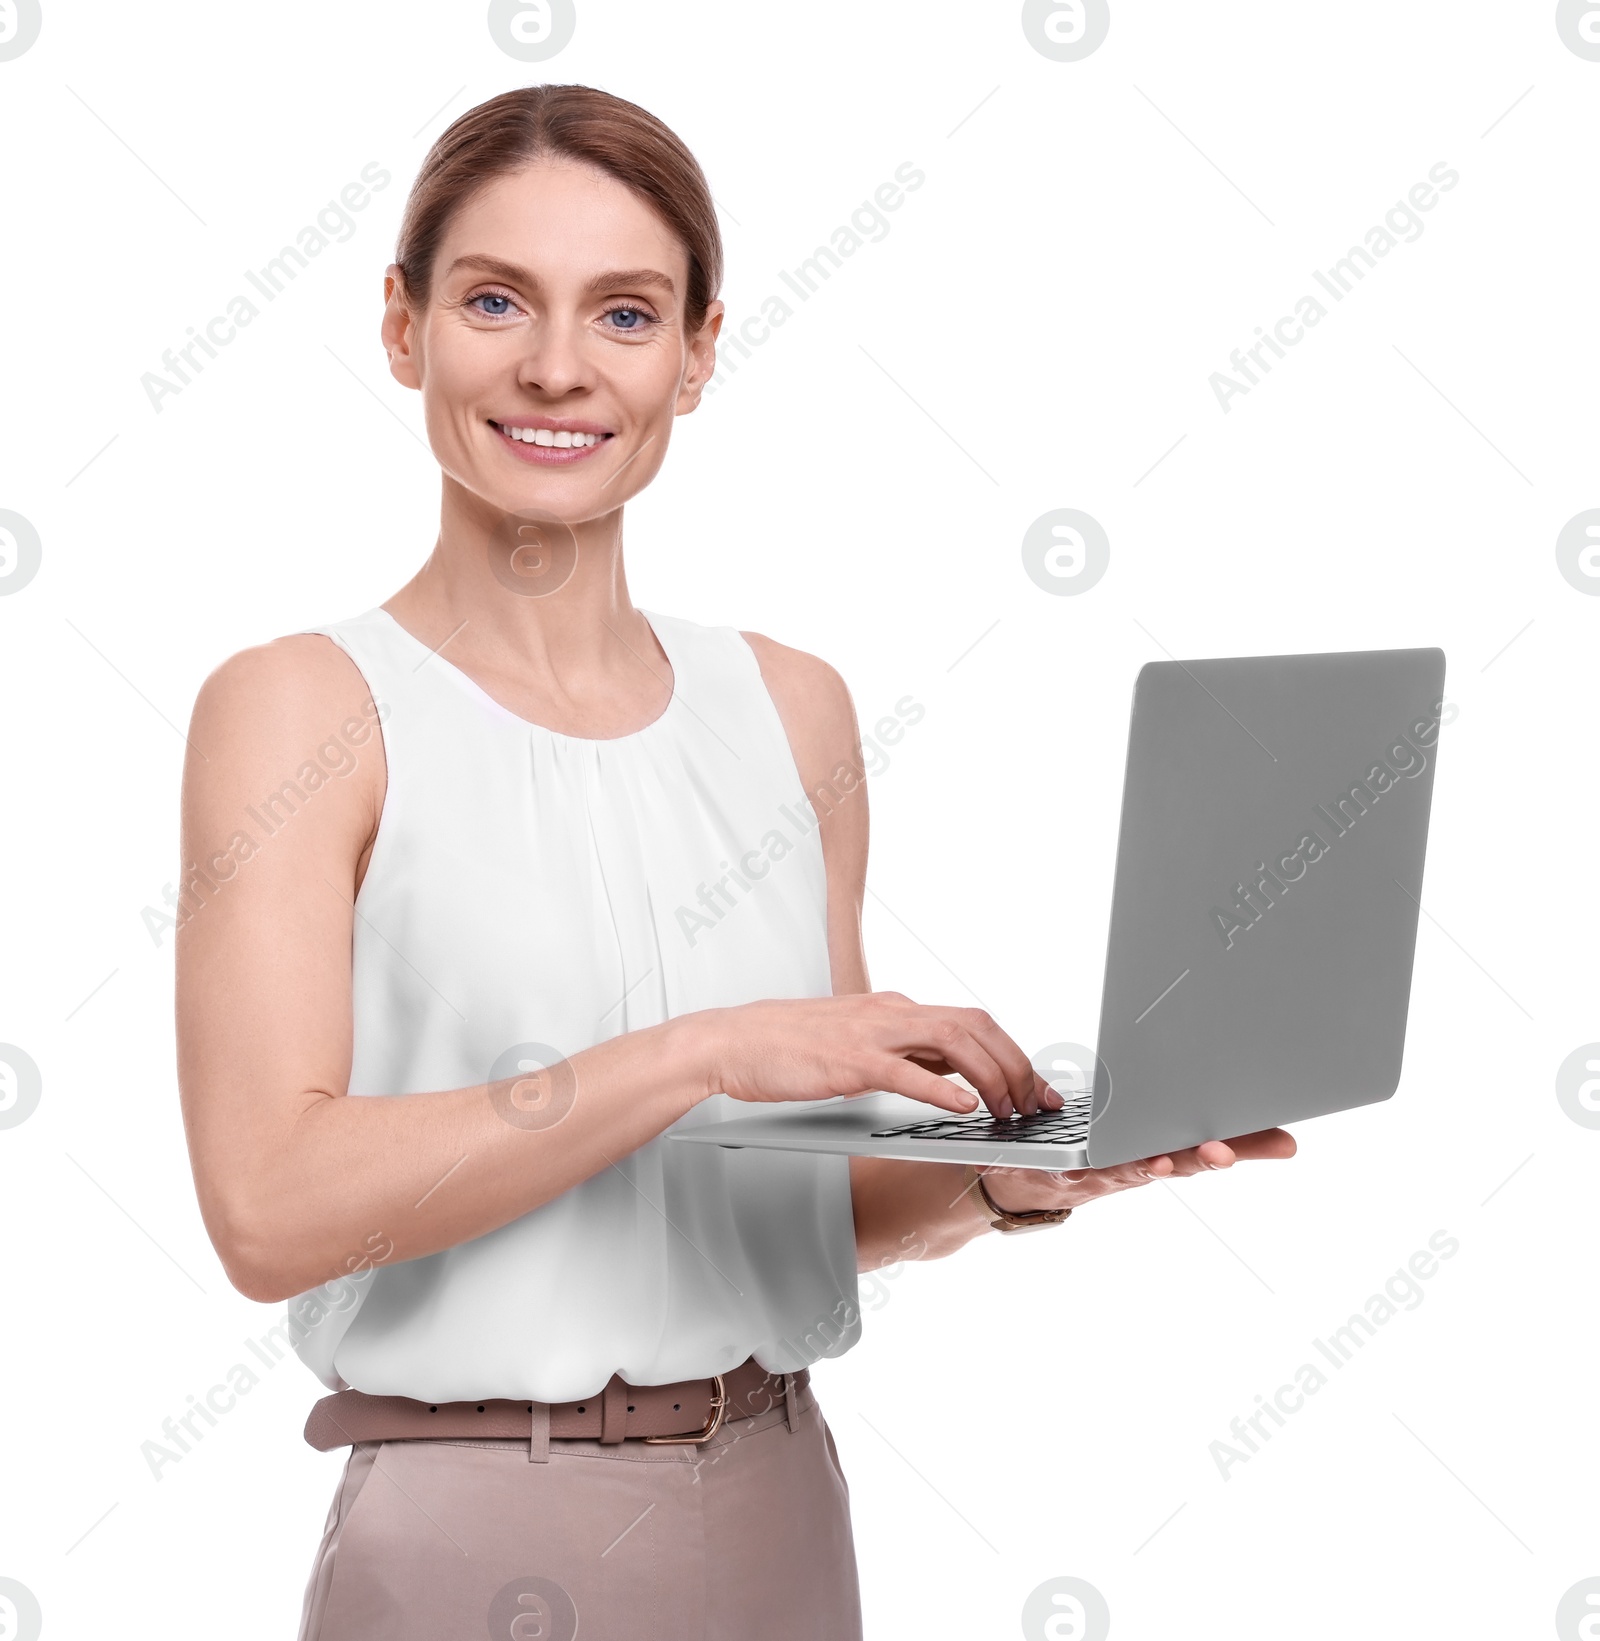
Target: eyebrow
point(608, 281)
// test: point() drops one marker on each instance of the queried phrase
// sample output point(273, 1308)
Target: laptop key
point(1069, 1126)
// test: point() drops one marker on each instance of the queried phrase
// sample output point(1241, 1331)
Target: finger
point(1270, 1142)
point(934, 1062)
point(1201, 1159)
point(1048, 1097)
point(1209, 1154)
point(1023, 1083)
point(1125, 1176)
point(1139, 1172)
point(901, 1076)
point(1218, 1154)
point(942, 1032)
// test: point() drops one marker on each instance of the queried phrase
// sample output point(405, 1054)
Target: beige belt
point(688, 1411)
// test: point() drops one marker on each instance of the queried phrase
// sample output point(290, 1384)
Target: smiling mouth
point(550, 443)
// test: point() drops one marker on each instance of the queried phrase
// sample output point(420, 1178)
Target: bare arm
point(292, 1176)
point(295, 1180)
point(927, 1205)
point(931, 1207)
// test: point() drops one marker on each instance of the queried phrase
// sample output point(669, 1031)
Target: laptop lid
point(1268, 884)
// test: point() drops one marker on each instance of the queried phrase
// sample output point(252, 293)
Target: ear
point(399, 329)
point(702, 361)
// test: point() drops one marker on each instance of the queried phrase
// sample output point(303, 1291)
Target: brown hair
point(574, 122)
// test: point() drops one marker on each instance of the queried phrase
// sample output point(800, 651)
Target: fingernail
point(1006, 1107)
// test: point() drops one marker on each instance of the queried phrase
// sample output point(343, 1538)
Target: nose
point(553, 363)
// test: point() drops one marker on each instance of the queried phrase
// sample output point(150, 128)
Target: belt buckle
point(719, 1402)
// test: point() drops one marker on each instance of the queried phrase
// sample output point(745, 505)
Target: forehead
point(556, 214)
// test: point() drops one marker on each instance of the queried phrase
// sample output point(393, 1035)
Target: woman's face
point(556, 312)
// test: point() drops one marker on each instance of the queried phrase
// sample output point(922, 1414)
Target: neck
point(548, 599)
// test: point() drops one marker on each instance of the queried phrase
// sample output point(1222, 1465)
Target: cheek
point(465, 370)
point(648, 379)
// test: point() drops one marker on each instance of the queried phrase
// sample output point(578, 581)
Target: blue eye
point(629, 318)
point(496, 304)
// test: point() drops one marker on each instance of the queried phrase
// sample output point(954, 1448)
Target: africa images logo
point(1402, 225)
point(20, 550)
point(20, 22)
point(1404, 760)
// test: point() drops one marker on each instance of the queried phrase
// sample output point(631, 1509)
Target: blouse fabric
point(530, 894)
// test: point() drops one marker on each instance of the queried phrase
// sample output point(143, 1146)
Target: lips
point(548, 441)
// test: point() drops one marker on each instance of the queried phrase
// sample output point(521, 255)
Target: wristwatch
point(1033, 1219)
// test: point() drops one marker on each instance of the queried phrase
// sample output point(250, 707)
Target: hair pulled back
point(572, 122)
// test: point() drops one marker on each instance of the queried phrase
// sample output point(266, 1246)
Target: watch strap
point(1031, 1219)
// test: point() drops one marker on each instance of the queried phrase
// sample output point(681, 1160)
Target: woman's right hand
point(814, 1048)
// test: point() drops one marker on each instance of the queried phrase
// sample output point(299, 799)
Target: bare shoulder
point(812, 700)
point(819, 719)
point(287, 682)
point(293, 710)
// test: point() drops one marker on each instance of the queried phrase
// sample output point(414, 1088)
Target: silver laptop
point(1263, 921)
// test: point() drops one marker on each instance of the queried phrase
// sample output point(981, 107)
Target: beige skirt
point(747, 1536)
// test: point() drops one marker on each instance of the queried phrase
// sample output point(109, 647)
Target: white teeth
point(544, 436)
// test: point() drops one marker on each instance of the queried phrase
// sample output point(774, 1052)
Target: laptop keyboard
point(1068, 1126)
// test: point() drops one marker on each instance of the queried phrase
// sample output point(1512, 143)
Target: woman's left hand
point(1020, 1190)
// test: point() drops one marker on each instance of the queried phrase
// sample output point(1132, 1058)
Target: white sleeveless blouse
point(530, 894)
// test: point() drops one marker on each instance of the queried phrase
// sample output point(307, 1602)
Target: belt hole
point(433, 1410)
point(583, 1410)
point(480, 1407)
point(677, 1407)
point(632, 1408)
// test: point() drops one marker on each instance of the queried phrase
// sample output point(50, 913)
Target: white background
point(1035, 331)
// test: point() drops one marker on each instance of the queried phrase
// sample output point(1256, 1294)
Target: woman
point(541, 909)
